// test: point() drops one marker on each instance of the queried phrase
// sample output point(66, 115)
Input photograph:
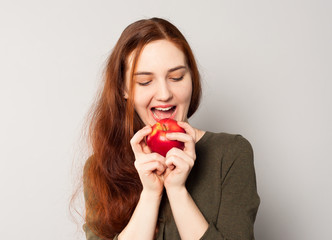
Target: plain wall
point(266, 73)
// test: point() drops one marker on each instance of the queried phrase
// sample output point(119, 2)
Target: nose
point(163, 92)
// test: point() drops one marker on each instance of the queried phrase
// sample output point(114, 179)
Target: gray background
point(266, 72)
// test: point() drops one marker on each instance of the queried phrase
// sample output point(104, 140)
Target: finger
point(150, 167)
point(180, 164)
point(182, 155)
point(160, 171)
point(182, 137)
point(150, 157)
point(189, 129)
point(157, 167)
point(189, 143)
point(138, 138)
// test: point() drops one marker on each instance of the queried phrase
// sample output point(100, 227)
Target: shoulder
point(226, 149)
point(234, 146)
point(223, 147)
point(227, 141)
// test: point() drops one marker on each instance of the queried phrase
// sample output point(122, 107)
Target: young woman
point(205, 191)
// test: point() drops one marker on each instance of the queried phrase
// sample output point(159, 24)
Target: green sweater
point(223, 185)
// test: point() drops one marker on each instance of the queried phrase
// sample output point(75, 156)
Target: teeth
point(163, 109)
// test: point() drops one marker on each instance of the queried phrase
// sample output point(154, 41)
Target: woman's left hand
point(180, 162)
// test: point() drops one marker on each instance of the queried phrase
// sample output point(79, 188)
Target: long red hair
point(111, 183)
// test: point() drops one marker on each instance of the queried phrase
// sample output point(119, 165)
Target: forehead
point(159, 55)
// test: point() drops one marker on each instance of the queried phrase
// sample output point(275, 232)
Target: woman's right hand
point(150, 166)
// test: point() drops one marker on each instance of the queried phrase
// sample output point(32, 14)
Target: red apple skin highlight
point(157, 141)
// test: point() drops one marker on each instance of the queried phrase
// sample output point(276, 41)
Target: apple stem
point(164, 127)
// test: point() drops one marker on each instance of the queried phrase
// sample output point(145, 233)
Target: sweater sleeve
point(239, 199)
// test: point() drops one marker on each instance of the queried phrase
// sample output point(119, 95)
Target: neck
point(199, 134)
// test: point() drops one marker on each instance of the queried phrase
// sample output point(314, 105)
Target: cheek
point(141, 99)
point(185, 96)
point(185, 93)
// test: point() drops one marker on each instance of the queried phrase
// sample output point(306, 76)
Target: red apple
point(157, 140)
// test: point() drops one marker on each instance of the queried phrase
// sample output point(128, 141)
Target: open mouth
point(159, 113)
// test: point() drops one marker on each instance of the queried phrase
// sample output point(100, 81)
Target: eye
point(178, 79)
point(144, 83)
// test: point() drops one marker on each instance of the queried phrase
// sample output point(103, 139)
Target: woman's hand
point(179, 163)
point(150, 166)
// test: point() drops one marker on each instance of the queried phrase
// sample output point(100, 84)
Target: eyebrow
point(169, 71)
